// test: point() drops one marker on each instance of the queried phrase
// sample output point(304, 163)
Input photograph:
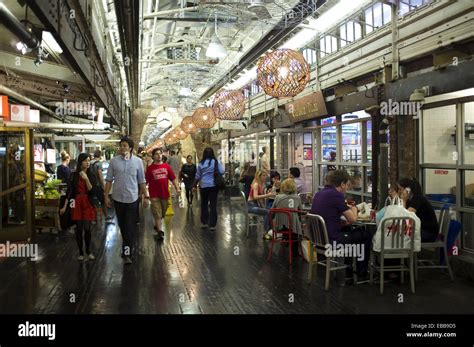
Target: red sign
point(441, 172)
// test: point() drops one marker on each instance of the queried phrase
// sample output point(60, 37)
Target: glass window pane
point(350, 31)
point(369, 141)
point(356, 177)
point(334, 44)
point(368, 16)
point(469, 133)
point(342, 31)
point(439, 126)
point(328, 139)
point(468, 230)
point(358, 31)
point(12, 209)
point(378, 15)
point(469, 188)
point(352, 143)
point(416, 2)
point(440, 185)
point(387, 13)
point(403, 9)
point(368, 180)
point(328, 43)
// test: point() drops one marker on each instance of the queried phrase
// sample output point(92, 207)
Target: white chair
point(441, 244)
point(250, 219)
point(318, 236)
point(395, 248)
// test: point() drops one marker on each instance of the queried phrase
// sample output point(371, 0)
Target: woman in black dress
point(187, 174)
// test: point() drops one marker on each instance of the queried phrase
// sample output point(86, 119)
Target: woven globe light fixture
point(181, 134)
point(204, 118)
point(188, 126)
point(229, 105)
point(283, 73)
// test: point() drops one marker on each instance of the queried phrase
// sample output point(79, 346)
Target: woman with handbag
point(79, 195)
point(208, 172)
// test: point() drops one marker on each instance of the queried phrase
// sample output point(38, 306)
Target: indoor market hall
point(254, 162)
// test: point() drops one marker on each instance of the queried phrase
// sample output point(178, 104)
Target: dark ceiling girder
point(127, 12)
point(267, 42)
point(55, 16)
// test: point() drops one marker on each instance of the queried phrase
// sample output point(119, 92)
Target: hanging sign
point(307, 107)
point(38, 154)
point(20, 113)
point(233, 124)
point(4, 109)
point(34, 116)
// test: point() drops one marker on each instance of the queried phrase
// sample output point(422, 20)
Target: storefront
point(16, 182)
point(446, 139)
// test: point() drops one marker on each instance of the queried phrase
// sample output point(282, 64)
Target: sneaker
point(90, 256)
point(80, 258)
point(267, 236)
point(127, 260)
point(212, 228)
point(204, 226)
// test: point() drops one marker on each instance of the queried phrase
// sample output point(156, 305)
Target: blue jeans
point(255, 209)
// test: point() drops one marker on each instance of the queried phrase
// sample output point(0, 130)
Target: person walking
point(175, 163)
point(96, 168)
point(80, 195)
point(157, 176)
point(187, 174)
point(209, 191)
point(126, 174)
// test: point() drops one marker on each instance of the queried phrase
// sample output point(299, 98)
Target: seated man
point(300, 185)
point(330, 204)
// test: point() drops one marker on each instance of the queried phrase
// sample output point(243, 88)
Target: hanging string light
point(204, 118)
point(188, 125)
point(181, 134)
point(229, 105)
point(283, 73)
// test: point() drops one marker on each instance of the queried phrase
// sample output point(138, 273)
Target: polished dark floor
point(195, 271)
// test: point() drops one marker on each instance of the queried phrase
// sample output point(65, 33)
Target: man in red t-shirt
point(157, 176)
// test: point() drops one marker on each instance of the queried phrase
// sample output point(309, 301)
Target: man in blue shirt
point(330, 204)
point(126, 173)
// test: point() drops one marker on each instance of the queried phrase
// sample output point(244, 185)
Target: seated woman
point(256, 200)
point(288, 199)
point(274, 186)
point(409, 190)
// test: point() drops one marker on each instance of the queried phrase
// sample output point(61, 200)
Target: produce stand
point(47, 198)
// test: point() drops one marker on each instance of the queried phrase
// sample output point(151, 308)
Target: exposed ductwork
point(17, 28)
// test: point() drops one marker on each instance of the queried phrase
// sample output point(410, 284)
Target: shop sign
point(441, 172)
point(38, 155)
point(233, 124)
point(34, 116)
point(307, 107)
point(20, 113)
point(4, 109)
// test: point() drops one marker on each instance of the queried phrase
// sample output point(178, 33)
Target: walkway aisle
point(198, 271)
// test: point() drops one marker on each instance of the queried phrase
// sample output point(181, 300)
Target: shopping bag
point(392, 211)
point(305, 246)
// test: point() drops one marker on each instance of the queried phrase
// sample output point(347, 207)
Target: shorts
point(159, 207)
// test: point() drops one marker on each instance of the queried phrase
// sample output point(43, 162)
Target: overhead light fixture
point(185, 91)
point(23, 48)
point(49, 40)
point(215, 49)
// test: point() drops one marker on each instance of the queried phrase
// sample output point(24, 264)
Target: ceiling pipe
point(17, 28)
point(62, 126)
point(17, 96)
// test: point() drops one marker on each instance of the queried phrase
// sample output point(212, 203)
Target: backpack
point(94, 169)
